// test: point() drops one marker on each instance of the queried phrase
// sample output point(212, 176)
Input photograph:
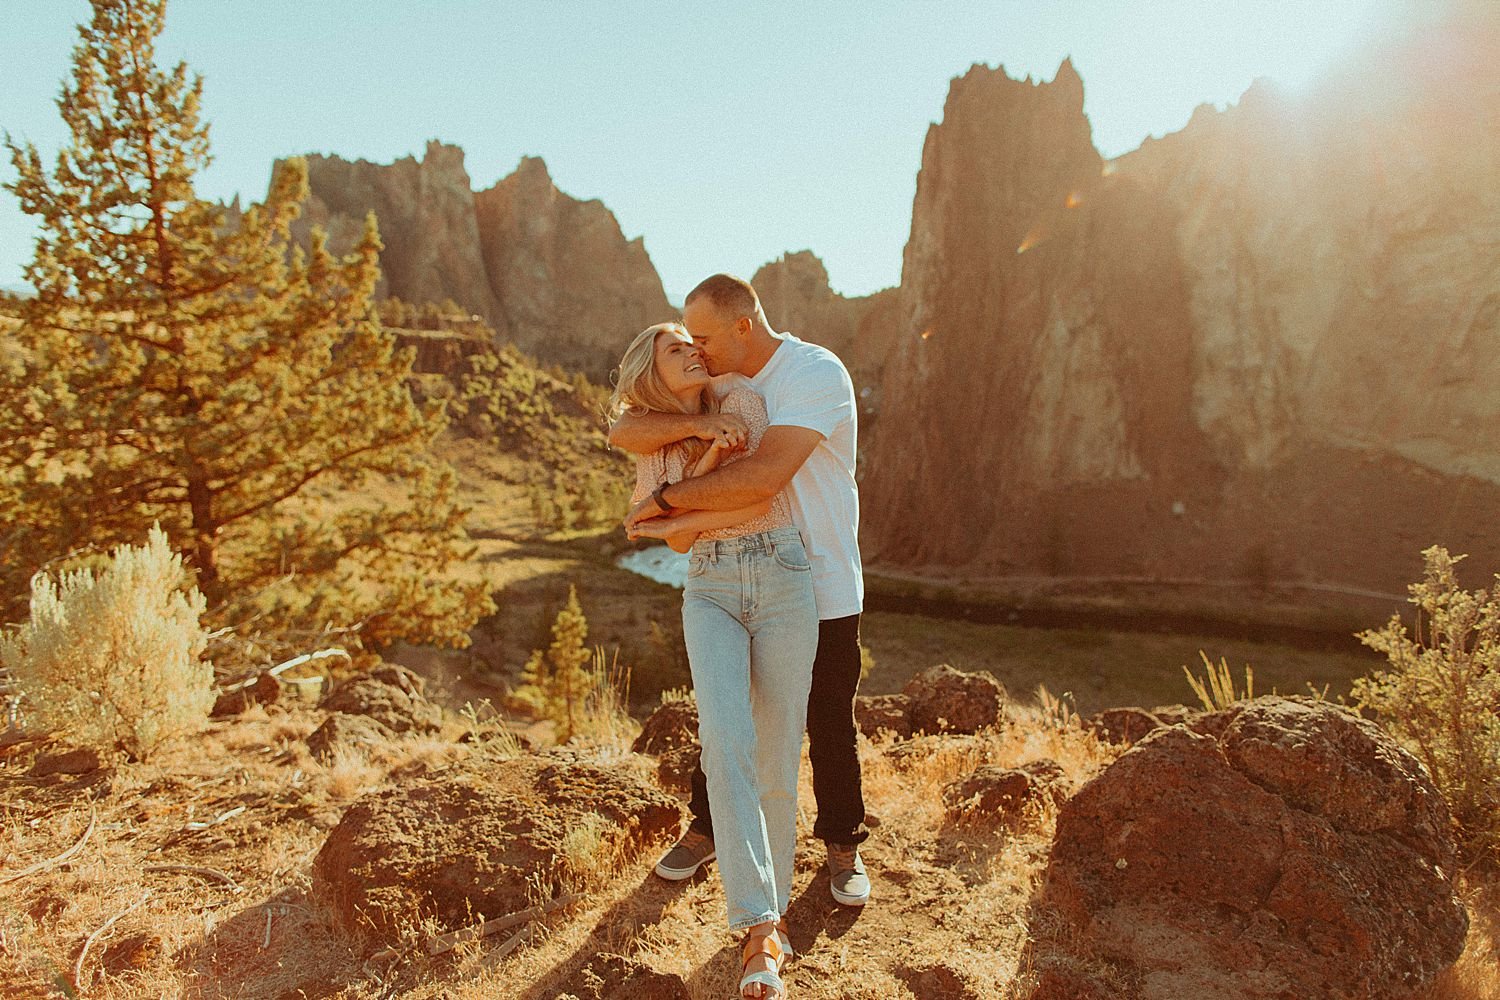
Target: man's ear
point(744, 326)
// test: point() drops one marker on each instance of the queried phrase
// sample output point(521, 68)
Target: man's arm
point(643, 433)
point(753, 479)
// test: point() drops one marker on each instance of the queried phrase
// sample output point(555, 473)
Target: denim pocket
point(696, 565)
point(792, 557)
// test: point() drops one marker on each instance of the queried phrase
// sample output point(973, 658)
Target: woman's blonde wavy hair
point(639, 387)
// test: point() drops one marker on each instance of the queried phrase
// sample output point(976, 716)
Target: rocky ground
point(295, 851)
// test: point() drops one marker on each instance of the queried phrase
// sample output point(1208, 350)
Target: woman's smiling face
point(679, 363)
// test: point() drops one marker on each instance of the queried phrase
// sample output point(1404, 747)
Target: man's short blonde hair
point(731, 296)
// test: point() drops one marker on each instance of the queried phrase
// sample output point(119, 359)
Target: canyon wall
point(549, 272)
point(1266, 347)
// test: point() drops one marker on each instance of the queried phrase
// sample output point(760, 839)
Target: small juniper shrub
point(1439, 693)
point(585, 693)
point(114, 659)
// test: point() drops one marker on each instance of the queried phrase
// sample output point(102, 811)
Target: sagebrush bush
point(1441, 691)
point(114, 659)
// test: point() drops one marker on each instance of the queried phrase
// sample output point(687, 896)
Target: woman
point(751, 629)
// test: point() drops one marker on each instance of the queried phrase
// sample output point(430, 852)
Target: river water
point(658, 563)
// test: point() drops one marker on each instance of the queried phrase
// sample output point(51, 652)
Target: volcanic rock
point(1004, 791)
point(475, 841)
point(797, 298)
point(1262, 349)
point(1122, 725)
point(1303, 853)
point(944, 700)
point(346, 731)
point(674, 724)
point(570, 288)
point(264, 690)
point(881, 712)
point(390, 695)
point(80, 760)
point(549, 272)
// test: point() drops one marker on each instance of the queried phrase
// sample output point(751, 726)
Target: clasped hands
point(728, 433)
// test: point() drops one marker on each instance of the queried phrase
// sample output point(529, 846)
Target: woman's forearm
point(699, 521)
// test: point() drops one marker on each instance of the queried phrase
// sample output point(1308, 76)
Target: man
point(809, 450)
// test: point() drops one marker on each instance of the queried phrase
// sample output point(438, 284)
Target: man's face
point(718, 337)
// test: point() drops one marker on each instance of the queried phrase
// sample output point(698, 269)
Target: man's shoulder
point(813, 360)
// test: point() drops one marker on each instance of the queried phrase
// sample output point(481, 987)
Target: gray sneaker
point(846, 876)
point(689, 854)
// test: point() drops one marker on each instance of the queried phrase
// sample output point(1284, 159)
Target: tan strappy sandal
point(771, 946)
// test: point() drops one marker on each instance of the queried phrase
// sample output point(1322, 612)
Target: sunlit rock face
point(547, 271)
point(1265, 347)
point(571, 288)
point(426, 214)
point(1044, 350)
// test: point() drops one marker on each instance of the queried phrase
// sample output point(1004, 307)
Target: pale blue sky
point(725, 134)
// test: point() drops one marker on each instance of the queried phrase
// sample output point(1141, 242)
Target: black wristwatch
point(661, 501)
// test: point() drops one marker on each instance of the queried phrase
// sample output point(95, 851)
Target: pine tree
point(177, 367)
point(556, 684)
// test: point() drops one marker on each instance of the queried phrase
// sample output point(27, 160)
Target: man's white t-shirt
point(805, 385)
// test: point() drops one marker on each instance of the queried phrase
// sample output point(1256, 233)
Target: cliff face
point(427, 222)
point(1267, 346)
point(570, 287)
point(550, 272)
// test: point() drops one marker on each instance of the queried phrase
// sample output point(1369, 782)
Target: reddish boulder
point(351, 731)
point(877, 713)
point(944, 700)
point(390, 695)
point(1302, 853)
point(265, 689)
point(674, 724)
point(1004, 791)
point(80, 760)
point(477, 840)
point(1122, 725)
point(674, 768)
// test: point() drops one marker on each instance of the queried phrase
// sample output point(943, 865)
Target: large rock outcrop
point(482, 839)
point(550, 272)
point(1300, 853)
point(425, 209)
point(1264, 348)
point(570, 288)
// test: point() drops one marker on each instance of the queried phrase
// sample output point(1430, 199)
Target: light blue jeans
point(751, 629)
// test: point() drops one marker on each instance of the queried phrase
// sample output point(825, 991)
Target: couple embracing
point(745, 444)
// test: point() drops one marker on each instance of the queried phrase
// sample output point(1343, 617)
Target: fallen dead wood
point(284, 666)
point(208, 873)
point(444, 943)
point(510, 944)
point(103, 929)
point(51, 862)
point(221, 818)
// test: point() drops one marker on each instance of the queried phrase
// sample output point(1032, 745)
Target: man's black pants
point(831, 740)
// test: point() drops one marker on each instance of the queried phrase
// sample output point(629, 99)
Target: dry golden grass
point(952, 907)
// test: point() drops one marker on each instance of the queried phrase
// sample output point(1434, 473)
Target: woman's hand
point(656, 527)
point(712, 457)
